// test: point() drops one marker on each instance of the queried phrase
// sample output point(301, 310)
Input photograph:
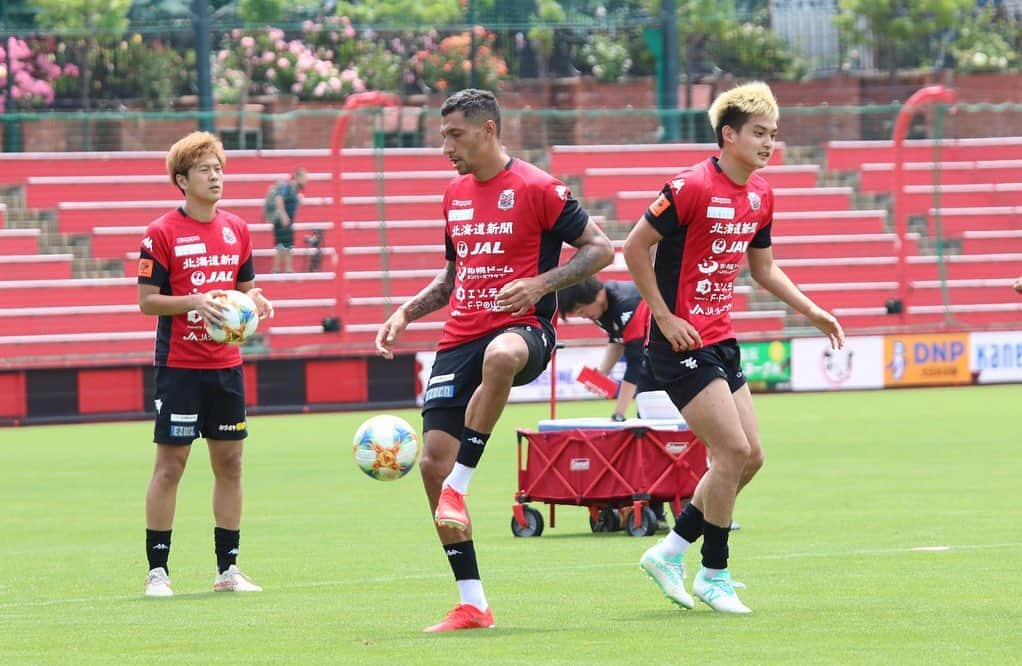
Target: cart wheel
point(648, 526)
point(535, 527)
point(609, 520)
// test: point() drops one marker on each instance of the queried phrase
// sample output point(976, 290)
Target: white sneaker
point(669, 574)
point(233, 580)
point(157, 583)
point(718, 593)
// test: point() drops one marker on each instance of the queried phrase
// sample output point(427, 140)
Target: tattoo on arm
point(587, 261)
point(433, 297)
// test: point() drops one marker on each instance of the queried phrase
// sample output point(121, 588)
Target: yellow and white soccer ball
point(241, 319)
point(386, 447)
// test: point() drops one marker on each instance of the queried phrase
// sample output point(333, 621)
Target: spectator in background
point(1018, 285)
point(281, 208)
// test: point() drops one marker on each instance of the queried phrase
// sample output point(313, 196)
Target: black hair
point(475, 104)
point(734, 117)
point(580, 293)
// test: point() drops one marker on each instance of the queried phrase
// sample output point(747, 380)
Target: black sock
point(225, 542)
point(462, 558)
point(472, 445)
point(689, 524)
point(157, 548)
point(715, 546)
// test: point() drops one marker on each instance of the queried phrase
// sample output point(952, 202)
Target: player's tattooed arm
point(433, 297)
point(594, 252)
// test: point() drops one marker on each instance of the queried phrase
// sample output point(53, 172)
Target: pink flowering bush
point(448, 66)
point(35, 73)
point(266, 63)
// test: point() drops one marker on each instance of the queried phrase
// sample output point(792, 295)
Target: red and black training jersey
point(626, 321)
point(184, 256)
point(707, 223)
point(509, 227)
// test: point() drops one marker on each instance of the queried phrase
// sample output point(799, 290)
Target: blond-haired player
point(704, 222)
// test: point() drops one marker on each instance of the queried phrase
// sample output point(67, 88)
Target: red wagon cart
point(615, 469)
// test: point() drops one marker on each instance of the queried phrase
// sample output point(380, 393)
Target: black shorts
point(199, 403)
point(684, 374)
point(283, 237)
point(458, 372)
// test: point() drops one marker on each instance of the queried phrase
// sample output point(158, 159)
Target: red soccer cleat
point(464, 616)
point(451, 510)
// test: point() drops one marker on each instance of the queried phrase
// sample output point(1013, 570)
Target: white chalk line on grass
point(573, 568)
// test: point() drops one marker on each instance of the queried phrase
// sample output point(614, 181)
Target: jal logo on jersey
point(720, 246)
point(481, 247)
point(200, 278)
point(506, 200)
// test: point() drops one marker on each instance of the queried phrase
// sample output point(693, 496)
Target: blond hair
point(734, 107)
point(187, 152)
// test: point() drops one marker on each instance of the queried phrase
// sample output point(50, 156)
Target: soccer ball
point(241, 318)
point(386, 447)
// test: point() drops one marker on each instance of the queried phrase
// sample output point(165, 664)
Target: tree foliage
point(905, 33)
point(401, 13)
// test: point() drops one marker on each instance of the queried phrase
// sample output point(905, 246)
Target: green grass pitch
point(854, 485)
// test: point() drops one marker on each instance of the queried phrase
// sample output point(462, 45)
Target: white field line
point(514, 571)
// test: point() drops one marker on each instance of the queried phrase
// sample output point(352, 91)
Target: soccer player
point(705, 220)
point(188, 256)
point(618, 309)
point(506, 221)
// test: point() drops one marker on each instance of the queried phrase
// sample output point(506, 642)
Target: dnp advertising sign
point(921, 360)
point(996, 357)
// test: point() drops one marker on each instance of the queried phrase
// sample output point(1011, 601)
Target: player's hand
point(518, 296)
point(829, 326)
point(1018, 285)
point(682, 335)
point(389, 332)
point(209, 308)
point(262, 303)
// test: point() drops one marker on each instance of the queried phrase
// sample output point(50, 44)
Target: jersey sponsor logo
point(506, 200)
point(720, 200)
point(185, 239)
point(145, 268)
point(461, 202)
point(229, 236)
point(709, 310)
point(441, 379)
point(195, 337)
point(720, 212)
point(487, 247)
point(708, 266)
point(562, 192)
point(198, 278)
point(147, 243)
point(231, 427)
point(460, 215)
point(184, 418)
point(704, 286)
point(677, 184)
point(733, 228)
point(754, 201)
point(462, 249)
point(182, 431)
point(657, 208)
point(720, 246)
point(445, 391)
point(190, 250)
point(194, 317)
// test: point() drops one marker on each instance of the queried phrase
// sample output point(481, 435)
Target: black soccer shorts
point(199, 403)
point(684, 374)
point(458, 372)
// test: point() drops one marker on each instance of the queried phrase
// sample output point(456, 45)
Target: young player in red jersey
point(188, 256)
point(506, 223)
point(705, 220)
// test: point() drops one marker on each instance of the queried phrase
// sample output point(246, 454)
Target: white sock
point(710, 573)
point(673, 545)
point(459, 478)
point(471, 592)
